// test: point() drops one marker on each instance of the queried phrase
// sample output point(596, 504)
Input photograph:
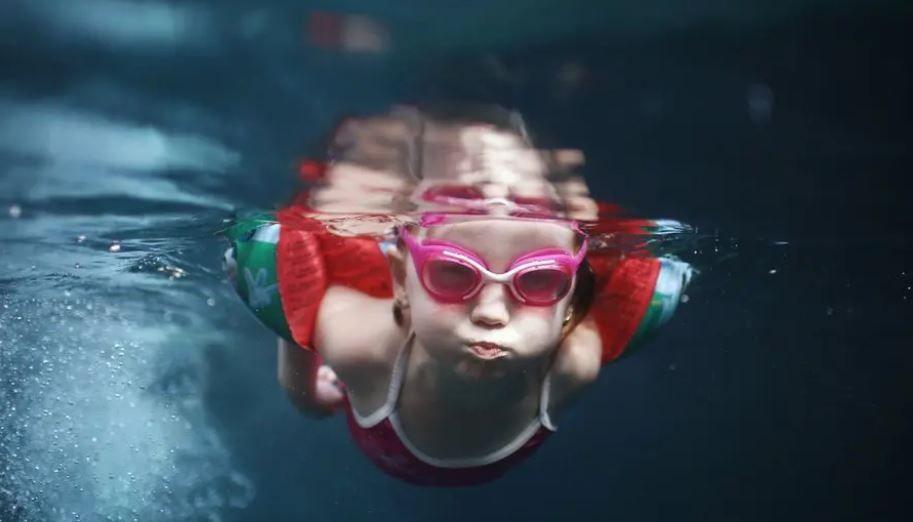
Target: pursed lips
point(487, 350)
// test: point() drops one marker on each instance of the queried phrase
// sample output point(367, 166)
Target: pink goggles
point(451, 274)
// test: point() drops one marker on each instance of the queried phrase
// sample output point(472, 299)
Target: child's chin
point(475, 369)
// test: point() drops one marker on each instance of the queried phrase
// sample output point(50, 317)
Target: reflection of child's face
point(490, 330)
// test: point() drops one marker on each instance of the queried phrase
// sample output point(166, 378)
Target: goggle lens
point(453, 281)
point(543, 286)
point(449, 279)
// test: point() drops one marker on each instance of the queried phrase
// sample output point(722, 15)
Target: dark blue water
point(135, 385)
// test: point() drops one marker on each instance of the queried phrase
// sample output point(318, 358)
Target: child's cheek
point(445, 318)
point(437, 321)
point(540, 327)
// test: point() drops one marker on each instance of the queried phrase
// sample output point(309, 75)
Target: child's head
point(499, 326)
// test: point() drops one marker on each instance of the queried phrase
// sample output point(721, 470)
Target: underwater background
point(134, 384)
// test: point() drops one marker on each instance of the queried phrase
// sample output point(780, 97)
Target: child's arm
point(311, 386)
point(353, 337)
point(575, 367)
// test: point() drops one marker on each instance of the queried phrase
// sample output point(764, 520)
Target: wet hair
point(462, 113)
point(393, 142)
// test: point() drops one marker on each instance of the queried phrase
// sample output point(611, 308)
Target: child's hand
point(313, 387)
point(329, 391)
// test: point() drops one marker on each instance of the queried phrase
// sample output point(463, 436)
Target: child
point(454, 340)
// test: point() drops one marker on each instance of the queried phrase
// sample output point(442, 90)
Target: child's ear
point(396, 257)
point(397, 260)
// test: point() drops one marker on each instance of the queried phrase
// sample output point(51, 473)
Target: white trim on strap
point(396, 383)
point(470, 462)
point(544, 397)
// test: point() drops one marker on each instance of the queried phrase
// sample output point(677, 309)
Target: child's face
point(491, 331)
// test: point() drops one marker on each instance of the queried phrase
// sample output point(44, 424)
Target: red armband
point(309, 258)
point(357, 262)
point(624, 288)
point(302, 281)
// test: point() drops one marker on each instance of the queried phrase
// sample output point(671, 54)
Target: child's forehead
point(506, 234)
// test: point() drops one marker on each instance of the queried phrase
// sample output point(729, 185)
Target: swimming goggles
point(451, 273)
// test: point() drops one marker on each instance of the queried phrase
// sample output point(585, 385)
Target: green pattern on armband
point(254, 244)
point(674, 277)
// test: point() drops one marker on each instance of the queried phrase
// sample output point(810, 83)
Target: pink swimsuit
point(380, 436)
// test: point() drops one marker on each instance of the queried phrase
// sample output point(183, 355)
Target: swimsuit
point(381, 437)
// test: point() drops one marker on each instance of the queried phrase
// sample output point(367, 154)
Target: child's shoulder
point(356, 335)
point(576, 365)
point(356, 329)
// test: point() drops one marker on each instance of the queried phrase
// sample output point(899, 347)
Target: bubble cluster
point(101, 418)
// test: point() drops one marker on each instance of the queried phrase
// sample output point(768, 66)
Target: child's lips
point(488, 351)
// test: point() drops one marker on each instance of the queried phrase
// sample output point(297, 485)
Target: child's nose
point(490, 310)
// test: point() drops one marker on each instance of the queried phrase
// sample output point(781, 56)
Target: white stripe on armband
point(267, 234)
point(674, 277)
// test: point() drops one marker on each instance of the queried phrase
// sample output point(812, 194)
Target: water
point(135, 385)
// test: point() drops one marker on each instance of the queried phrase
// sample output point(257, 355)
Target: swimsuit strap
point(396, 384)
point(544, 395)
